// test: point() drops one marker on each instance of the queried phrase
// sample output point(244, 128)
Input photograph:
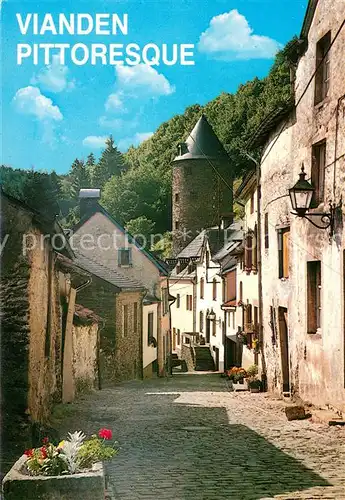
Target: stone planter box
point(89, 485)
point(237, 386)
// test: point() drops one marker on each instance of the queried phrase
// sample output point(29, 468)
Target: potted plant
point(71, 469)
point(254, 384)
point(237, 376)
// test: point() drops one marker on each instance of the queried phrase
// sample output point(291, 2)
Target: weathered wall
point(128, 347)
point(199, 194)
point(316, 360)
point(85, 344)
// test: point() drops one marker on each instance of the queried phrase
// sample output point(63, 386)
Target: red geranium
point(29, 453)
point(43, 452)
point(45, 440)
point(105, 434)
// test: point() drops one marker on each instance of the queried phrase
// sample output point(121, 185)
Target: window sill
point(284, 279)
point(126, 266)
point(321, 104)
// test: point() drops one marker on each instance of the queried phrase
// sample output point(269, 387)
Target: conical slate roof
point(202, 143)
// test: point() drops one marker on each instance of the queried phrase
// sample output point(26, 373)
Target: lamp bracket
point(327, 218)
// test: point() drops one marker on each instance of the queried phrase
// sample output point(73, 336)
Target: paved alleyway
point(189, 438)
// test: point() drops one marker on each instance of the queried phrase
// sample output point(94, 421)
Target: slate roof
point(202, 143)
point(112, 276)
point(194, 248)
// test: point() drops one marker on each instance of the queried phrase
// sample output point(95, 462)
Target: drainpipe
point(169, 354)
point(259, 264)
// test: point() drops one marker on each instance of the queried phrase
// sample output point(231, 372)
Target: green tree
point(142, 229)
point(79, 177)
point(111, 163)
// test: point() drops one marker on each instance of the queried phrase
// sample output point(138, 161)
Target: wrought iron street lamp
point(301, 195)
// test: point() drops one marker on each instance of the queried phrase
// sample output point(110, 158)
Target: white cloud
point(142, 78)
point(135, 140)
point(229, 37)
point(30, 101)
point(54, 77)
point(95, 141)
point(115, 102)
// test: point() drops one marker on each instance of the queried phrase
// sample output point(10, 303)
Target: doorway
point(208, 330)
point(284, 347)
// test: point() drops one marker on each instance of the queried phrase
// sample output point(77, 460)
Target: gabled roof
point(98, 208)
point(194, 248)
point(202, 143)
point(111, 276)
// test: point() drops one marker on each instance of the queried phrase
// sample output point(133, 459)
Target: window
point(248, 252)
point(177, 197)
point(125, 320)
point(178, 336)
point(202, 288)
point(214, 289)
point(177, 225)
point(125, 257)
point(256, 318)
point(313, 296)
point(214, 328)
point(201, 321)
point(174, 339)
point(150, 317)
point(322, 77)
point(189, 302)
point(165, 299)
point(223, 290)
point(267, 241)
point(241, 291)
point(252, 203)
point(318, 172)
point(178, 300)
point(255, 249)
point(283, 252)
point(135, 316)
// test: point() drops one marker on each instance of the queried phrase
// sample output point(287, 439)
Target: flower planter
point(239, 386)
point(88, 485)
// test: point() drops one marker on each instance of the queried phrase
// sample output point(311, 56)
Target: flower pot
point(88, 485)
point(239, 386)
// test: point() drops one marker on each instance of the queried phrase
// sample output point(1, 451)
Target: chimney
point(88, 199)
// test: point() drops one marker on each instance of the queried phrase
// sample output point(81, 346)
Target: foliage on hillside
point(136, 186)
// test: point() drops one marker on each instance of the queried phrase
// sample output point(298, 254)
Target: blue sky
point(53, 114)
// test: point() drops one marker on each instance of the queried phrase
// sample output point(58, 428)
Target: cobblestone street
point(190, 438)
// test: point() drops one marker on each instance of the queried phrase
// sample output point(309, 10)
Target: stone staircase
point(203, 360)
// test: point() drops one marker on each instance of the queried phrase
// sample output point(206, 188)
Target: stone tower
point(200, 197)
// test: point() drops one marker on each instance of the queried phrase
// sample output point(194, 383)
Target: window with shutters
point(189, 302)
point(314, 296)
point(255, 249)
point(178, 300)
point(318, 172)
point(267, 241)
point(322, 77)
point(202, 288)
point(283, 252)
point(248, 252)
point(214, 289)
point(178, 336)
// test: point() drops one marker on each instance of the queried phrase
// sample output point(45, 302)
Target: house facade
point(102, 239)
point(303, 265)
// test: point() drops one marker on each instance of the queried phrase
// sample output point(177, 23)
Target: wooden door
point(284, 348)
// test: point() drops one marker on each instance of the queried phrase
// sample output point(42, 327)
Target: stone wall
point(197, 192)
point(85, 356)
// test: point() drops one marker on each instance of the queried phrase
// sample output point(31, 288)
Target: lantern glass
point(301, 194)
point(212, 316)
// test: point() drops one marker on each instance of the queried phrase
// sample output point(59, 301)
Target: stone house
point(38, 297)
point(100, 238)
point(118, 299)
point(303, 272)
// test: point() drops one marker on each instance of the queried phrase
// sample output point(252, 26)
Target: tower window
point(177, 197)
point(177, 225)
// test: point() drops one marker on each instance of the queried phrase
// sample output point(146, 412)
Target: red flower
point(45, 440)
point(29, 453)
point(43, 452)
point(105, 434)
